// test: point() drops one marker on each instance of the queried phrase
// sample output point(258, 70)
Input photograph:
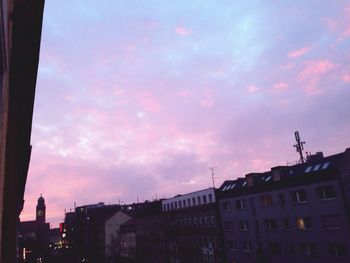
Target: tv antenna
point(213, 177)
point(299, 147)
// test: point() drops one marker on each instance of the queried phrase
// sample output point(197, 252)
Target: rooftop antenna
point(299, 147)
point(213, 175)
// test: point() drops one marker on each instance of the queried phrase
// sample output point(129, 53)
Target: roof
point(317, 169)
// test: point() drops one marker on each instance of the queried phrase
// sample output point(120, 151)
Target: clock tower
point(41, 210)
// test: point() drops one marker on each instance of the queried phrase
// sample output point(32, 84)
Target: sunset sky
point(140, 98)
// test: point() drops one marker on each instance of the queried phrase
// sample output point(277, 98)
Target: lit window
point(309, 249)
point(270, 224)
point(299, 196)
point(240, 204)
point(308, 169)
point(243, 225)
point(266, 201)
point(325, 192)
point(338, 250)
point(304, 223)
point(325, 165)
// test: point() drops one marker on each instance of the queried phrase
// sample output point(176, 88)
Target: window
point(325, 165)
point(167, 207)
point(193, 201)
point(188, 202)
point(240, 204)
point(331, 222)
point(308, 169)
point(175, 205)
point(309, 249)
point(268, 178)
point(199, 200)
point(213, 219)
point(210, 198)
point(286, 223)
point(325, 192)
point(270, 224)
point(247, 247)
point(299, 196)
point(281, 199)
point(243, 225)
point(184, 203)
point(226, 206)
point(172, 205)
point(338, 250)
point(317, 166)
point(180, 204)
point(228, 225)
point(304, 223)
point(164, 207)
point(232, 245)
point(274, 248)
point(266, 201)
point(224, 188)
point(204, 199)
point(244, 184)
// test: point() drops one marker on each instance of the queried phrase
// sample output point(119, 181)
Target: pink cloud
point(280, 86)
point(346, 78)
point(252, 89)
point(206, 103)
point(315, 68)
point(299, 52)
point(182, 31)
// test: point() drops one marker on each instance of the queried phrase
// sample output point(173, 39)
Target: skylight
point(233, 186)
point(268, 178)
point(317, 166)
point(325, 165)
point(244, 184)
point(223, 189)
point(308, 169)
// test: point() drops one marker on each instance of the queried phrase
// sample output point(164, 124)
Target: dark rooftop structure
point(297, 213)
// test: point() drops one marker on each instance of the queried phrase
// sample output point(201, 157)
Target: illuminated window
point(304, 223)
point(325, 192)
point(266, 201)
point(299, 196)
point(240, 204)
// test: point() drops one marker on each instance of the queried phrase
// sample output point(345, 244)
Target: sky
point(137, 99)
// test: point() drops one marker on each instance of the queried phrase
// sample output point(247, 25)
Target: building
point(193, 227)
point(20, 35)
point(112, 228)
point(296, 213)
point(33, 238)
point(127, 242)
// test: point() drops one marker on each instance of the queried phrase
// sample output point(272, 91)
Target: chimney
point(318, 156)
point(253, 178)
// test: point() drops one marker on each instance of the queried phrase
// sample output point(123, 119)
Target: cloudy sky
point(140, 98)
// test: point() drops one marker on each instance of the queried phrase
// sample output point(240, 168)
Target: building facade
point(297, 213)
point(193, 227)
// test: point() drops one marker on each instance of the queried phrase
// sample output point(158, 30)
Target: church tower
point(41, 210)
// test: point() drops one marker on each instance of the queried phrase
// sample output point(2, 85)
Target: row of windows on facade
point(274, 248)
point(187, 203)
point(301, 223)
point(322, 193)
point(194, 219)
